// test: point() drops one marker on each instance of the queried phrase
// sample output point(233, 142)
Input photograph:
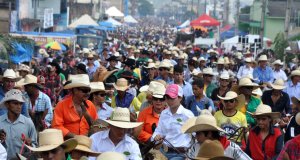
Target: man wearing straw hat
point(209, 86)
point(169, 125)
point(115, 138)
point(293, 129)
point(83, 149)
point(16, 129)
point(277, 71)
point(263, 72)
point(75, 113)
point(52, 145)
point(293, 85)
point(246, 69)
point(205, 127)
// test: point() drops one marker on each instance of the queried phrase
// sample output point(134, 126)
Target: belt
point(177, 149)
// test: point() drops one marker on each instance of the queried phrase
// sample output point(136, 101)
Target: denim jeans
point(173, 155)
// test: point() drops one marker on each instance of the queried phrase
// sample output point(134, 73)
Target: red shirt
point(291, 149)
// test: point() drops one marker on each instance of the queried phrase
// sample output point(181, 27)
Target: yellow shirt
point(142, 97)
point(230, 124)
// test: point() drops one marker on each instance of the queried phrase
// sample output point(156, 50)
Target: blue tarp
point(23, 53)
point(108, 26)
point(231, 33)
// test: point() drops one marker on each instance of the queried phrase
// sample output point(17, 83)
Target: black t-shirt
point(292, 129)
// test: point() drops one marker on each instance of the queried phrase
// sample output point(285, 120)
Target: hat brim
point(122, 124)
point(15, 79)
point(108, 73)
point(215, 158)
point(97, 90)
point(227, 98)
point(87, 150)
point(273, 115)
point(295, 101)
point(76, 85)
point(236, 88)
point(144, 88)
point(158, 96)
point(120, 88)
point(10, 99)
point(203, 127)
point(277, 87)
point(69, 145)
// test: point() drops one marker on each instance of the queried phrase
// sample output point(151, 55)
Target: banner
point(48, 17)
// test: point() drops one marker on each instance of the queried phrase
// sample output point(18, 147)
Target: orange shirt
point(148, 116)
point(67, 119)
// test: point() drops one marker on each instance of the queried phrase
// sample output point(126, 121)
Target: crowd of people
point(146, 98)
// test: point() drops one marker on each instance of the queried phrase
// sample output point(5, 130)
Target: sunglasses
point(100, 94)
point(84, 90)
point(231, 101)
point(208, 75)
point(90, 59)
point(158, 99)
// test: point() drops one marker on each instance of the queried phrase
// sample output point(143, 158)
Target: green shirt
point(251, 107)
point(118, 74)
point(209, 89)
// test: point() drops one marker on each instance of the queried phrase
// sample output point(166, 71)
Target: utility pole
point(262, 23)
point(205, 4)
point(287, 18)
point(215, 8)
point(198, 5)
point(236, 32)
point(226, 11)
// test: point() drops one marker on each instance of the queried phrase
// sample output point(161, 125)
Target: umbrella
point(56, 46)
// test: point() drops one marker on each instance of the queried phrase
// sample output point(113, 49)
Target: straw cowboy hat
point(10, 74)
point(121, 85)
point(226, 60)
point(111, 156)
point(84, 145)
point(208, 71)
point(263, 58)
point(78, 80)
point(204, 122)
point(265, 110)
point(197, 73)
point(295, 101)
point(150, 65)
point(233, 95)
point(221, 61)
point(244, 82)
point(164, 64)
point(159, 91)
point(151, 87)
point(295, 73)
point(29, 79)
point(102, 74)
point(224, 75)
point(297, 118)
point(257, 92)
point(50, 139)
point(278, 84)
point(96, 87)
point(278, 61)
point(202, 59)
point(121, 118)
point(13, 94)
point(212, 150)
point(24, 67)
point(248, 60)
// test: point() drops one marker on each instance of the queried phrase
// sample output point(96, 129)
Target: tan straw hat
point(278, 84)
point(278, 61)
point(229, 95)
point(265, 110)
point(150, 65)
point(295, 73)
point(233, 95)
point(78, 80)
point(96, 87)
point(295, 101)
point(121, 118)
point(263, 58)
point(13, 94)
point(111, 156)
point(248, 59)
point(224, 75)
point(28, 79)
point(204, 122)
point(84, 145)
point(221, 61)
point(164, 64)
point(212, 150)
point(159, 90)
point(121, 85)
point(208, 71)
point(257, 92)
point(297, 118)
point(50, 139)
point(24, 67)
point(10, 74)
point(244, 82)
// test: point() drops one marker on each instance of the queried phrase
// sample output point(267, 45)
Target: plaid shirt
point(291, 149)
point(53, 82)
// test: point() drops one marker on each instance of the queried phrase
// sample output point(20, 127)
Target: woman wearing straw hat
point(205, 128)
point(278, 100)
point(230, 119)
point(97, 96)
point(265, 141)
point(115, 139)
point(83, 149)
point(52, 145)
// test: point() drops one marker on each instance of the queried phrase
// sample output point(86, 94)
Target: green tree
point(145, 8)
point(280, 44)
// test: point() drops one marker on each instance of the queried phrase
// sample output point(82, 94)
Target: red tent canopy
point(205, 20)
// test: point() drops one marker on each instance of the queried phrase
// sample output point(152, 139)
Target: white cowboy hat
point(150, 65)
point(278, 61)
point(246, 82)
point(159, 91)
point(224, 75)
point(78, 80)
point(295, 73)
point(196, 73)
point(84, 145)
point(150, 88)
point(265, 110)
point(278, 84)
point(208, 71)
point(212, 150)
point(50, 139)
point(180, 56)
point(23, 67)
point(226, 60)
point(229, 95)
point(96, 87)
point(164, 64)
point(233, 95)
point(221, 61)
point(13, 94)
point(111, 156)
point(85, 50)
point(121, 118)
point(248, 60)
point(168, 52)
point(257, 92)
point(10, 74)
point(121, 85)
point(28, 79)
point(202, 59)
point(204, 122)
point(263, 58)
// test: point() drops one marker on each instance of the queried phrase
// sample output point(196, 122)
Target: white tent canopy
point(114, 22)
point(83, 20)
point(228, 43)
point(114, 12)
point(184, 24)
point(130, 19)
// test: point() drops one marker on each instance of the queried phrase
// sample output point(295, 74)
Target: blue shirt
point(168, 81)
point(187, 89)
point(3, 109)
point(263, 75)
point(204, 103)
point(292, 90)
point(42, 103)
